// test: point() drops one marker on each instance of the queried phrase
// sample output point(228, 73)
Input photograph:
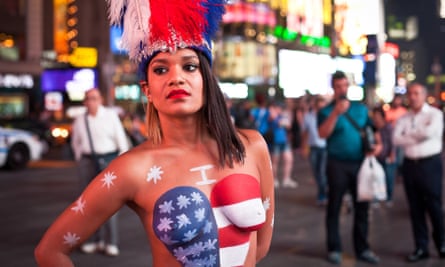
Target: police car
point(19, 147)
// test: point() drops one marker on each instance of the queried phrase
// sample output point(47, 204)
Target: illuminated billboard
point(127, 92)
point(305, 17)
point(354, 19)
point(116, 40)
point(301, 72)
point(249, 61)
point(255, 13)
point(72, 81)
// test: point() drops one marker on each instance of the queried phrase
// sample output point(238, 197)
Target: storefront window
point(13, 106)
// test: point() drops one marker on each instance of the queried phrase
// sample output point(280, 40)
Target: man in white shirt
point(108, 140)
point(419, 133)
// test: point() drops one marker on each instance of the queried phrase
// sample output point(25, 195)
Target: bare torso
point(165, 175)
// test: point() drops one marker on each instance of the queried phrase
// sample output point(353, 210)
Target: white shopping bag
point(371, 183)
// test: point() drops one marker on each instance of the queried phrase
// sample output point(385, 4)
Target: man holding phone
point(345, 155)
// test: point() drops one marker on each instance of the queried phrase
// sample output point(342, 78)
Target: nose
point(176, 76)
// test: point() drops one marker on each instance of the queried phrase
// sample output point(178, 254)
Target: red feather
point(177, 21)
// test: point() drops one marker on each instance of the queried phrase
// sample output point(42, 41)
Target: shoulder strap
point(93, 153)
point(261, 114)
point(353, 122)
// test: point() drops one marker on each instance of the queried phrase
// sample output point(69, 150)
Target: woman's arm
point(264, 165)
point(103, 197)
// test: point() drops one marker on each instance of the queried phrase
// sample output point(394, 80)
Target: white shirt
point(107, 133)
point(420, 134)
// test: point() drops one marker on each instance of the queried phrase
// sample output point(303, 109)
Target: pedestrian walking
point(314, 147)
point(280, 123)
point(261, 119)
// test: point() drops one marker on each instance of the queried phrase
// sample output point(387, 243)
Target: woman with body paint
point(203, 189)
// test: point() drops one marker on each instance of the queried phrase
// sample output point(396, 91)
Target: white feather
point(136, 27)
point(115, 10)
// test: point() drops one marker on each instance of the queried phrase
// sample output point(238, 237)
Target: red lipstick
point(179, 93)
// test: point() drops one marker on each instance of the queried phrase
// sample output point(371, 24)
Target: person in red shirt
point(396, 109)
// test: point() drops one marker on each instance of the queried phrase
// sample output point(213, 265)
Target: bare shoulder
point(251, 134)
point(252, 139)
point(134, 163)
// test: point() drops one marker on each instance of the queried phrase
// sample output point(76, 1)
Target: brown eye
point(159, 70)
point(190, 67)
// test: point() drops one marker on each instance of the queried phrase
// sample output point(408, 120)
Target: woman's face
point(175, 84)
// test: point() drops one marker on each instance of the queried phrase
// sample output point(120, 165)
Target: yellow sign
point(84, 57)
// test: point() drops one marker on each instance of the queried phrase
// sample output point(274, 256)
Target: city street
point(32, 198)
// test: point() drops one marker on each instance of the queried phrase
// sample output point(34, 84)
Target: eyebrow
point(165, 60)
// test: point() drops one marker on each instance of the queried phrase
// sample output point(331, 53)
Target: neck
point(183, 131)
point(93, 112)
point(417, 109)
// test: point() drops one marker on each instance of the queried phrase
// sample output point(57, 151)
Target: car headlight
point(59, 132)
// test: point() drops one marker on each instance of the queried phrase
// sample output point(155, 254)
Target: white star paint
point(196, 197)
point(180, 254)
point(212, 260)
point(80, 205)
point(208, 227)
point(200, 215)
point(164, 225)
point(266, 203)
point(196, 249)
point(70, 239)
point(183, 202)
point(108, 179)
point(189, 235)
point(210, 244)
point(154, 174)
point(166, 207)
point(183, 220)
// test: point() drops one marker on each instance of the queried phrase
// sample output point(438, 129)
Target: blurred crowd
point(290, 129)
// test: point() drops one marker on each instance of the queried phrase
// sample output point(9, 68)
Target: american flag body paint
point(210, 232)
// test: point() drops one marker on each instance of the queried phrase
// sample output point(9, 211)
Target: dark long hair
point(217, 118)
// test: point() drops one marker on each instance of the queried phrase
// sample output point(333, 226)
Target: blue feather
point(215, 11)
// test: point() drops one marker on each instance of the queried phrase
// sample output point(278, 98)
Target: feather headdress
point(150, 26)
